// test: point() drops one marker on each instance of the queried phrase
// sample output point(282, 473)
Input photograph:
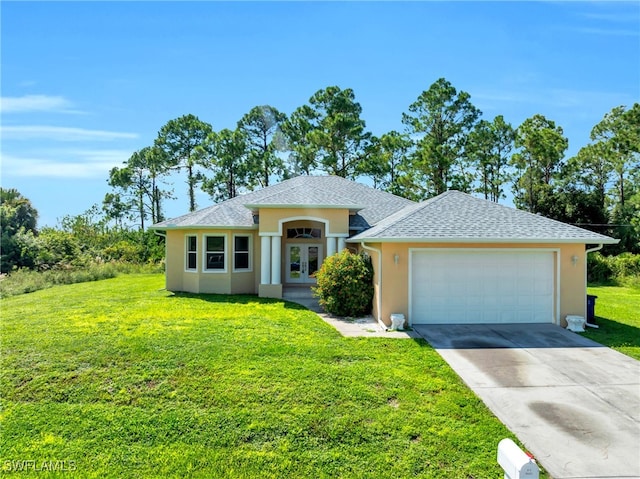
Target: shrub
point(345, 284)
point(58, 250)
point(598, 269)
point(626, 265)
point(125, 251)
point(623, 267)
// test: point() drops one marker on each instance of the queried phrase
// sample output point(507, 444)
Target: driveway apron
point(573, 403)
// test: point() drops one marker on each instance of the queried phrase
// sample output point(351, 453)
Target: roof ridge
point(296, 180)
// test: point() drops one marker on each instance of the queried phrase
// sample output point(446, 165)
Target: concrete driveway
point(573, 403)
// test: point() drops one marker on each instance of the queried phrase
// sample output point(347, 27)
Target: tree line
point(77, 242)
point(446, 144)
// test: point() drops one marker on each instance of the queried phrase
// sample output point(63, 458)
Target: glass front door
point(303, 262)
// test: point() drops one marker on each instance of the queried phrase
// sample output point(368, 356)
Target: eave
point(487, 240)
point(202, 227)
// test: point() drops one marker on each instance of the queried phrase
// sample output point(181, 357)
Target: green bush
point(345, 284)
point(58, 250)
point(598, 269)
point(126, 251)
point(601, 269)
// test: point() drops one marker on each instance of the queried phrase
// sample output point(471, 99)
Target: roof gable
point(454, 216)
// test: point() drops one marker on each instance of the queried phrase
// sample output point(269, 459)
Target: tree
point(132, 185)
point(541, 147)
point(329, 133)
point(618, 137)
point(611, 164)
point(227, 153)
point(182, 140)
point(116, 208)
point(590, 172)
point(632, 244)
point(489, 147)
point(388, 161)
point(138, 185)
point(89, 229)
point(439, 121)
point(262, 129)
point(296, 130)
point(18, 217)
point(340, 132)
point(157, 164)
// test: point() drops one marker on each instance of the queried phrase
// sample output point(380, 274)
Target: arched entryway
point(292, 256)
point(304, 251)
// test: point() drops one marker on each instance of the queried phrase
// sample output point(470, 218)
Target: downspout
point(597, 248)
point(379, 295)
point(586, 253)
point(162, 234)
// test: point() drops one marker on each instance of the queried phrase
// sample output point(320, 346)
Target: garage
point(466, 286)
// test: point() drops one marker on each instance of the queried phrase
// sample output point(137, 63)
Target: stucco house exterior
point(451, 259)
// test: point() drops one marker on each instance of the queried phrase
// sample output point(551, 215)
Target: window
point(241, 256)
point(304, 233)
point(215, 253)
point(192, 250)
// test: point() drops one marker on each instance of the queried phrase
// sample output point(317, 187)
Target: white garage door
point(471, 286)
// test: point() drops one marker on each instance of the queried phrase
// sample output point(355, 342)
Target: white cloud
point(31, 103)
point(76, 164)
point(555, 97)
point(608, 31)
point(61, 133)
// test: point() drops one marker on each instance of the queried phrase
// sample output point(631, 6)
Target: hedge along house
point(451, 259)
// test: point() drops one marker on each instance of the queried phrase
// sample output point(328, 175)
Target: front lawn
point(617, 312)
point(119, 378)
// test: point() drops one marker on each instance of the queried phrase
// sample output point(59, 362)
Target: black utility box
point(591, 309)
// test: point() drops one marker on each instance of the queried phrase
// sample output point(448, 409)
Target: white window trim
point(204, 253)
point(250, 253)
point(186, 254)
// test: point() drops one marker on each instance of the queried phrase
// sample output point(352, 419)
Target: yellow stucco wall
point(395, 277)
point(391, 287)
point(174, 266)
point(201, 281)
point(338, 218)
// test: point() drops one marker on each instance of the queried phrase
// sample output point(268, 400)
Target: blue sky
point(85, 84)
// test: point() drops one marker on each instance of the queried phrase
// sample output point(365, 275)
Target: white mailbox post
point(515, 463)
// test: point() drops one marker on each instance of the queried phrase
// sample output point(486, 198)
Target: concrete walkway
point(573, 403)
point(366, 327)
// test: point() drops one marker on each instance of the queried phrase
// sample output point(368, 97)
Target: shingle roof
point(302, 191)
point(458, 217)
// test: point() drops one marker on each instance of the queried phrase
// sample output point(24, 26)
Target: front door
point(303, 261)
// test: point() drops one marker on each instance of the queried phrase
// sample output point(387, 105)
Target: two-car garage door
point(478, 286)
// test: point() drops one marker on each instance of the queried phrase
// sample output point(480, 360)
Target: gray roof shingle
point(302, 191)
point(454, 216)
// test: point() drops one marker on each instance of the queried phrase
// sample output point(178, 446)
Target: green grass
point(128, 380)
point(25, 281)
point(617, 311)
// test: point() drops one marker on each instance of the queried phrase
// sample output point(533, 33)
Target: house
point(451, 259)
